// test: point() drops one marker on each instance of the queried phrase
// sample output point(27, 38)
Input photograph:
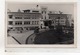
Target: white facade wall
point(40, 17)
point(33, 17)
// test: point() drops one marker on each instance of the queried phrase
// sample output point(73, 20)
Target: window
point(42, 12)
point(26, 17)
point(33, 17)
point(52, 21)
point(42, 17)
point(45, 12)
point(26, 28)
point(33, 22)
point(49, 17)
point(10, 22)
point(37, 22)
point(26, 22)
point(35, 11)
point(50, 12)
point(26, 11)
point(62, 20)
point(19, 28)
point(56, 21)
point(58, 18)
point(10, 27)
point(45, 17)
point(18, 22)
point(18, 17)
point(10, 16)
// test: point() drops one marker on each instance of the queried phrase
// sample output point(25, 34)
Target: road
point(10, 40)
point(21, 37)
point(30, 39)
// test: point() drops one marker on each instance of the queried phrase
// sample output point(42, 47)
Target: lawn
point(53, 37)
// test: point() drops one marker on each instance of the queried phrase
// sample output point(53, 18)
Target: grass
point(53, 37)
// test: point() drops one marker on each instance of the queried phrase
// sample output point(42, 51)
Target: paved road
point(10, 40)
point(30, 39)
point(21, 37)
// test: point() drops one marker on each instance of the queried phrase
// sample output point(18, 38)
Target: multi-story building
point(23, 20)
point(32, 18)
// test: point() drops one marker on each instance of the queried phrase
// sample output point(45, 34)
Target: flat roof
point(24, 13)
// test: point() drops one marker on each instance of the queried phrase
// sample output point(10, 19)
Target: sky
point(66, 8)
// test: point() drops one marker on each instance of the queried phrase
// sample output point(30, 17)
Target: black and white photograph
point(40, 24)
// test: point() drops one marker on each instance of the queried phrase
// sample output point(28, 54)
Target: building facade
point(32, 18)
point(23, 21)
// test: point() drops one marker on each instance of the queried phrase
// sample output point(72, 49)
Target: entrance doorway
point(47, 23)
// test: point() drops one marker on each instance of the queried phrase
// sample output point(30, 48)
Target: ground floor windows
point(21, 29)
point(10, 29)
point(31, 28)
point(26, 28)
point(18, 28)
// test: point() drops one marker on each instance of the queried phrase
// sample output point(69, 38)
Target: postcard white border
point(48, 46)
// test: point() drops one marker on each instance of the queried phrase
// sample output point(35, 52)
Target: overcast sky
point(67, 8)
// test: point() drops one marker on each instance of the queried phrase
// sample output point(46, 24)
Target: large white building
point(31, 18)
